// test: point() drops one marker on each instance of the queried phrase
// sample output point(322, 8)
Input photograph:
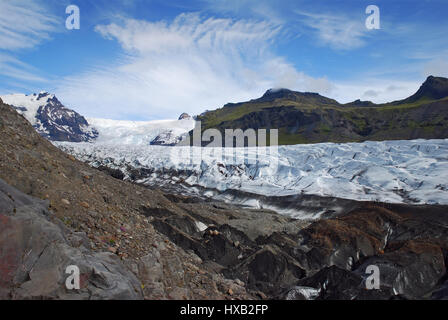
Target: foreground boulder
point(35, 252)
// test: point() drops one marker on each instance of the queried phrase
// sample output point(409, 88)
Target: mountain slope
point(433, 88)
point(107, 214)
point(311, 118)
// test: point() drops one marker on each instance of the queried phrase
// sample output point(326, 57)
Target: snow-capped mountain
point(51, 118)
point(407, 171)
point(54, 121)
point(138, 133)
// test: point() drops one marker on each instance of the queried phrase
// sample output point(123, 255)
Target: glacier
point(124, 132)
point(411, 171)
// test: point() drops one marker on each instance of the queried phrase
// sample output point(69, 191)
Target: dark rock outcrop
point(406, 243)
point(184, 116)
point(62, 124)
point(167, 138)
point(327, 259)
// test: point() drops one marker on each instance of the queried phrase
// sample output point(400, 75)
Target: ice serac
point(51, 118)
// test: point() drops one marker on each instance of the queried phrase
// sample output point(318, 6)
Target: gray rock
point(35, 252)
point(150, 272)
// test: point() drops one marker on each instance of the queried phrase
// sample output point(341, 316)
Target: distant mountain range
point(55, 122)
point(312, 118)
point(300, 117)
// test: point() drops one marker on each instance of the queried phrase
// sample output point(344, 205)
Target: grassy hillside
point(311, 118)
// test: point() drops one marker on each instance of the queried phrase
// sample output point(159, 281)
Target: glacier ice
point(413, 171)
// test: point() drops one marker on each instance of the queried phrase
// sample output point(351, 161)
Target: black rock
point(333, 283)
point(185, 116)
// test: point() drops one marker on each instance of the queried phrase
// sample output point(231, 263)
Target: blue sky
point(145, 60)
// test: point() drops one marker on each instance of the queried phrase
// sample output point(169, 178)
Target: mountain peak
point(283, 92)
point(51, 118)
point(42, 94)
point(435, 82)
point(433, 88)
point(184, 116)
point(277, 91)
point(301, 97)
point(290, 95)
point(360, 103)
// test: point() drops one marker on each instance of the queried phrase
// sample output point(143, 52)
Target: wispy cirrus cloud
point(186, 65)
point(338, 31)
point(24, 24)
point(14, 68)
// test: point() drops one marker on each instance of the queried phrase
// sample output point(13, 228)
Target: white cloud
point(24, 24)
point(370, 94)
point(437, 67)
point(375, 90)
point(187, 65)
point(337, 31)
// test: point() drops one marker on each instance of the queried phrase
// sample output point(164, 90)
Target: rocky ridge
point(108, 212)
